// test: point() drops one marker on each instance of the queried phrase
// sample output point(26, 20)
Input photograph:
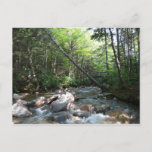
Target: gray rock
point(19, 96)
point(16, 96)
point(61, 103)
point(25, 103)
point(20, 110)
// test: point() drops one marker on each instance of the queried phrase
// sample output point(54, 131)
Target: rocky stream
point(83, 105)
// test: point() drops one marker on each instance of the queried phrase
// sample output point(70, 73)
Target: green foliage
point(38, 62)
point(68, 82)
point(48, 80)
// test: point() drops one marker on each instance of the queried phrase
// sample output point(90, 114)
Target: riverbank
point(129, 95)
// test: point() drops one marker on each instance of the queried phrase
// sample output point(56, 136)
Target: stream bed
point(91, 106)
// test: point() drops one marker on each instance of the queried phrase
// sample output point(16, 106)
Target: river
point(102, 110)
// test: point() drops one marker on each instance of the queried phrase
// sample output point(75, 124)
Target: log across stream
point(83, 105)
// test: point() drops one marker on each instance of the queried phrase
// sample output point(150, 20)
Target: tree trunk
point(118, 50)
point(122, 43)
point(107, 65)
point(70, 52)
point(135, 54)
point(46, 58)
point(128, 48)
point(130, 58)
point(138, 36)
point(70, 59)
point(54, 64)
point(32, 71)
point(116, 58)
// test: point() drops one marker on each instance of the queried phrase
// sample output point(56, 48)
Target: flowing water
point(117, 112)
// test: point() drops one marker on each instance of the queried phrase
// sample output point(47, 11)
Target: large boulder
point(61, 103)
point(20, 110)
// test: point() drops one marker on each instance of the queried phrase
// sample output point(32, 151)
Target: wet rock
point(77, 98)
point(89, 108)
point(51, 99)
point(119, 115)
point(19, 96)
point(16, 96)
point(43, 110)
point(19, 101)
point(60, 117)
point(40, 102)
point(72, 106)
point(61, 103)
point(25, 103)
point(81, 113)
point(102, 108)
point(20, 110)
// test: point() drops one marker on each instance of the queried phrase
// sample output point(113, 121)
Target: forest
point(47, 60)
